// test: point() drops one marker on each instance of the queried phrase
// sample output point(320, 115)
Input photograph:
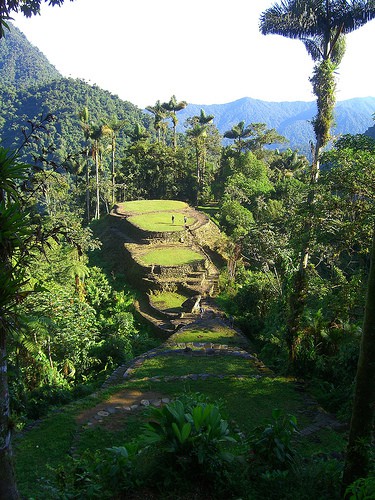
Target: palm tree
point(197, 135)
point(239, 132)
point(114, 126)
point(97, 132)
point(173, 106)
point(138, 133)
point(160, 115)
point(321, 25)
point(84, 121)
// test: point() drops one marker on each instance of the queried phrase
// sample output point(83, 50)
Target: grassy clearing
point(160, 221)
point(246, 403)
point(42, 449)
point(167, 301)
point(170, 256)
point(213, 332)
point(141, 206)
point(99, 438)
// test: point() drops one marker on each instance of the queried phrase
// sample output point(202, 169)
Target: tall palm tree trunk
point(113, 169)
point(324, 88)
point(87, 186)
point(97, 208)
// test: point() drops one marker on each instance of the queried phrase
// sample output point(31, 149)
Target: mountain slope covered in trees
point(64, 98)
point(21, 63)
point(31, 88)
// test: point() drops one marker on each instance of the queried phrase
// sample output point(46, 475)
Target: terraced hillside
point(172, 252)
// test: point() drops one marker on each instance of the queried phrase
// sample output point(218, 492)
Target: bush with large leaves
point(191, 437)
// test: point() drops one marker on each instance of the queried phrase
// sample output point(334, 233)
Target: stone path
point(173, 348)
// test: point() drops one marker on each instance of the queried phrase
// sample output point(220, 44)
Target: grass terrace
point(143, 206)
point(163, 366)
point(212, 332)
point(160, 222)
point(169, 256)
point(167, 301)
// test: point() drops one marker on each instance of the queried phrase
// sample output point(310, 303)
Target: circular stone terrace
point(157, 216)
point(162, 216)
point(168, 255)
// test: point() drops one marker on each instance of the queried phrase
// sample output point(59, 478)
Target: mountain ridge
point(291, 119)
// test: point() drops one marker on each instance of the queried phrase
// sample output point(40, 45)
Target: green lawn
point(160, 222)
point(212, 332)
point(170, 256)
point(141, 206)
point(167, 301)
point(41, 449)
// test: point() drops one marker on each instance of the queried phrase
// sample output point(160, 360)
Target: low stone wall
point(181, 271)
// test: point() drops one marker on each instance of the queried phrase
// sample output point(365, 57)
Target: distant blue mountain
point(290, 119)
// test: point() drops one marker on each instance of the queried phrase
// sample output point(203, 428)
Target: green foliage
point(272, 445)
point(21, 66)
point(324, 87)
point(235, 218)
point(101, 474)
point(362, 489)
point(190, 434)
point(155, 171)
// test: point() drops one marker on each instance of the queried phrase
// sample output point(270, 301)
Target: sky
point(201, 51)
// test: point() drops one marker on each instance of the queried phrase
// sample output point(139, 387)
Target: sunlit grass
point(167, 300)
point(170, 256)
point(160, 221)
point(182, 365)
point(211, 332)
point(151, 206)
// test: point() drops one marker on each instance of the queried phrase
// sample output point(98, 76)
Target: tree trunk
point(8, 488)
point(297, 298)
point(87, 185)
point(324, 88)
point(113, 169)
point(198, 174)
point(97, 209)
point(361, 427)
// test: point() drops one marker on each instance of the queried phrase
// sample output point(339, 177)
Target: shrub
point(190, 437)
point(100, 474)
point(272, 443)
point(362, 489)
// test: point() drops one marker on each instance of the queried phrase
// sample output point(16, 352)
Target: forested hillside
point(64, 98)
point(31, 88)
point(22, 64)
